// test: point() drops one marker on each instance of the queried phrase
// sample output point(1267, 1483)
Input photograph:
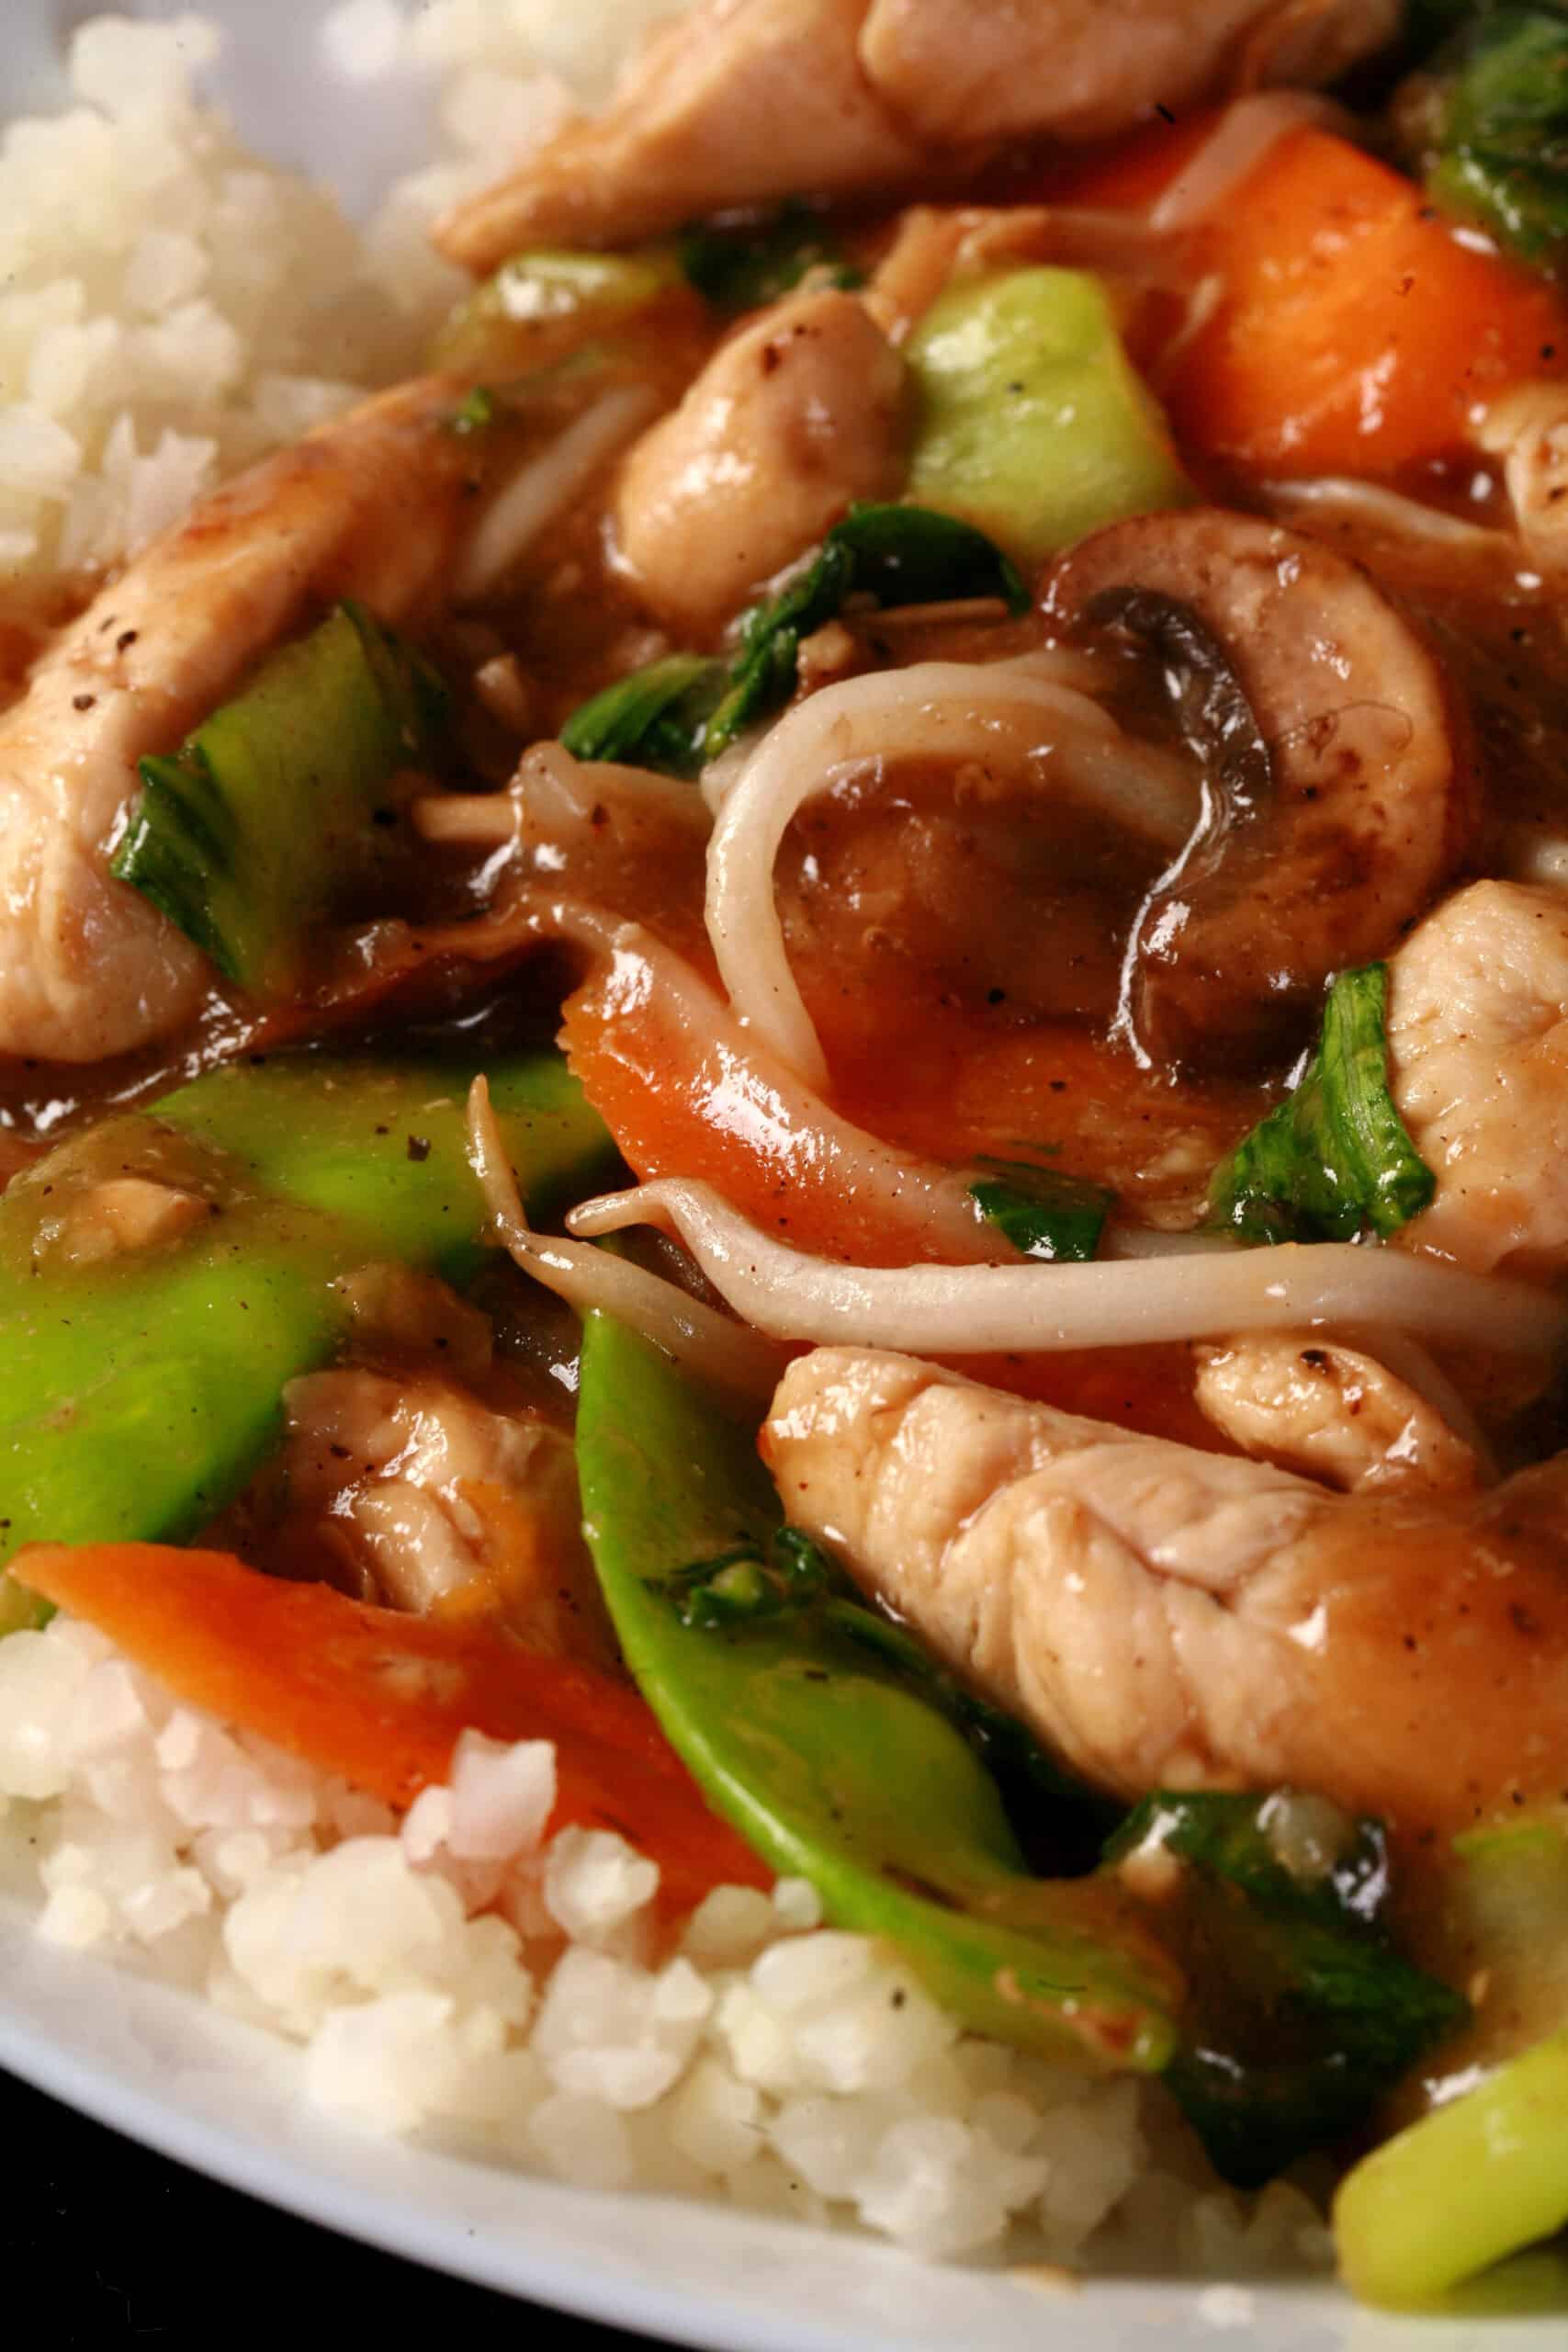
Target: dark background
point(131, 2248)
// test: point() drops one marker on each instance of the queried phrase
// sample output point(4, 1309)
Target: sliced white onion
point(546, 486)
point(1012, 711)
point(695, 1336)
point(982, 1310)
point(1240, 140)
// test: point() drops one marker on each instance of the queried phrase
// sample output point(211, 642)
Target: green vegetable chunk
point(1301, 2013)
point(1043, 1215)
point(1502, 138)
point(890, 554)
point(499, 323)
point(1336, 1155)
point(739, 269)
point(139, 1391)
point(1471, 2182)
point(822, 1753)
point(1034, 421)
point(653, 719)
point(247, 835)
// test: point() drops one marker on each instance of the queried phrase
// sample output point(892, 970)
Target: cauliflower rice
point(172, 308)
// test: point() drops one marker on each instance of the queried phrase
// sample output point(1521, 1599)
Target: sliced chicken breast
point(1162, 1617)
point(744, 102)
point(370, 505)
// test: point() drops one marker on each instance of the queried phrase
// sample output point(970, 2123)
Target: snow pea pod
point(140, 1390)
point(830, 1765)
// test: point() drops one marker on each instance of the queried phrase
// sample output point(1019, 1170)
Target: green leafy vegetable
point(1335, 1156)
point(1301, 2013)
point(139, 1393)
point(1044, 1215)
point(1034, 421)
point(890, 554)
point(653, 719)
point(739, 269)
point(1502, 144)
point(246, 836)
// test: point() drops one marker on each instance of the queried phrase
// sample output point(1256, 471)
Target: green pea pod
point(139, 1392)
point(831, 1765)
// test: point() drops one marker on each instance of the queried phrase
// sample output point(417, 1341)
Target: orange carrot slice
point(1358, 330)
point(381, 1697)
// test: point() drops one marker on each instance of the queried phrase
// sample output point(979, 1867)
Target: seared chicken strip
point(1164, 1617)
point(746, 102)
point(370, 505)
point(735, 102)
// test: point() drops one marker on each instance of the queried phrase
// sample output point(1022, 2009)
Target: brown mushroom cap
point(1340, 794)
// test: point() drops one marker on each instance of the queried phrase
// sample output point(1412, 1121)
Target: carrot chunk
point(1356, 330)
point(381, 1697)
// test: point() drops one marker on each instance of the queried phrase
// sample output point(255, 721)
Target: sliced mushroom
point(1340, 795)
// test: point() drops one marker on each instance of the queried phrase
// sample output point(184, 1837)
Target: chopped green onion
point(1336, 1156)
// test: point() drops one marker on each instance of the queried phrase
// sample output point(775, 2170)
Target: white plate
point(167, 2072)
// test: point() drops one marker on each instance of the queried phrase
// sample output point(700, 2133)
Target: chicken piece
point(742, 102)
point(955, 71)
point(1529, 430)
point(370, 506)
point(1165, 1618)
point(792, 419)
point(123, 1214)
point(736, 102)
point(445, 1508)
point(1478, 1061)
point(1331, 1412)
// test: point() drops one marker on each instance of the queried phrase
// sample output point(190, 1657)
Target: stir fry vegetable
point(497, 326)
point(127, 1409)
point(275, 802)
point(1306, 365)
point(1500, 131)
point(1032, 422)
point(383, 1697)
point(828, 1765)
point(1303, 2011)
point(680, 711)
point(1336, 1155)
point(737, 269)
